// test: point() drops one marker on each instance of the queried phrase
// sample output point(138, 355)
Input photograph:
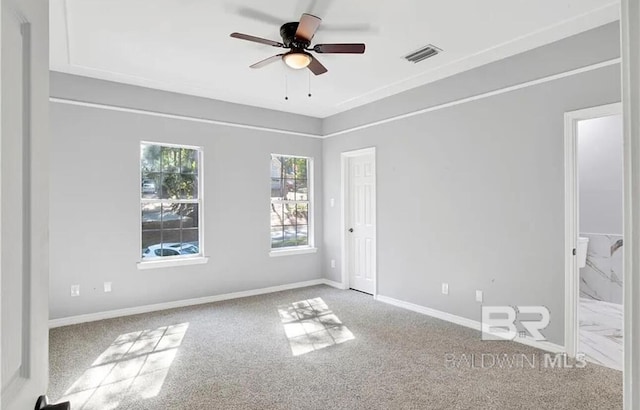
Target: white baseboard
point(92, 317)
point(470, 323)
point(334, 284)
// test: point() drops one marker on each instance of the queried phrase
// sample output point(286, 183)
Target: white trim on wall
point(463, 321)
point(480, 96)
point(178, 117)
point(571, 217)
point(110, 314)
point(504, 90)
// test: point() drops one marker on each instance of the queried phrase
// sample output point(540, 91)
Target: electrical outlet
point(445, 288)
point(479, 296)
point(107, 286)
point(332, 202)
point(75, 290)
point(333, 263)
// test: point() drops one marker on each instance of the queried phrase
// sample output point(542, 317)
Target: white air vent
point(423, 53)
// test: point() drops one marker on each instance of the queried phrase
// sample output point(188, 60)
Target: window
point(290, 202)
point(170, 199)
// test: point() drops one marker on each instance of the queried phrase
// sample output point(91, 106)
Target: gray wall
point(593, 46)
point(95, 210)
point(600, 169)
point(472, 195)
point(127, 96)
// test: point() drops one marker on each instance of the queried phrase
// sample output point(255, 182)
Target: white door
point(360, 220)
point(24, 169)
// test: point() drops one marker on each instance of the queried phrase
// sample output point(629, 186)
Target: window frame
point(177, 260)
point(300, 249)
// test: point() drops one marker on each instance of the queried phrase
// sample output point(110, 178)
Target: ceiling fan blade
point(259, 16)
point(307, 27)
point(351, 48)
point(316, 67)
point(267, 61)
point(317, 7)
point(257, 39)
point(357, 27)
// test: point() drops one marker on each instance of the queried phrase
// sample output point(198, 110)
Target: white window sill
point(292, 251)
point(172, 262)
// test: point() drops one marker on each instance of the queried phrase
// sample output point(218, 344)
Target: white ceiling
point(184, 45)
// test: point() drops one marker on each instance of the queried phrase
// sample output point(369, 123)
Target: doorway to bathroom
point(594, 247)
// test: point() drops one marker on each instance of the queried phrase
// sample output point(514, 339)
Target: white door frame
point(572, 277)
point(630, 30)
point(344, 159)
point(27, 378)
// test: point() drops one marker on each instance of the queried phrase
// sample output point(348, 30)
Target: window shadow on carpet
point(134, 366)
point(310, 325)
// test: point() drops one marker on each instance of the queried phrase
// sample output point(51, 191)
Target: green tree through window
point(170, 200)
point(290, 201)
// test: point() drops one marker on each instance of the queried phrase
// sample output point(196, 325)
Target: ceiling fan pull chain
point(286, 86)
point(309, 73)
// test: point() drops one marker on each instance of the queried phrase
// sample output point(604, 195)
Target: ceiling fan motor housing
point(288, 34)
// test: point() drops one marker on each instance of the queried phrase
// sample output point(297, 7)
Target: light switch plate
point(332, 202)
point(445, 288)
point(107, 286)
point(75, 290)
point(333, 263)
point(479, 296)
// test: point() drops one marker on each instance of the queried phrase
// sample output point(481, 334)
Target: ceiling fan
point(297, 36)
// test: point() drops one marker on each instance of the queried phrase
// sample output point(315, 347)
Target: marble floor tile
point(601, 332)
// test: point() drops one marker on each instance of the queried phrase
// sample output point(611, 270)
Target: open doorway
point(594, 236)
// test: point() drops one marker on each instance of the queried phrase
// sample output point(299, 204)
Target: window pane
point(171, 238)
point(277, 216)
point(189, 215)
point(289, 214)
point(277, 236)
point(302, 214)
point(276, 166)
point(151, 216)
point(190, 248)
point(302, 190)
point(190, 236)
point(301, 168)
point(189, 186)
point(150, 184)
point(150, 157)
point(289, 189)
point(277, 188)
point(302, 235)
point(170, 216)
point(179, 186)
point(189, 161)
point(288, 167)
point(171, 160)
point(149, 239)
point(289, 236)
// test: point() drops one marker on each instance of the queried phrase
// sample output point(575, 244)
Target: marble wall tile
point(601, 278)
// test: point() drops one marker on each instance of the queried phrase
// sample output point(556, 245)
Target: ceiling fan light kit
point(297, 36)
point(297, 59)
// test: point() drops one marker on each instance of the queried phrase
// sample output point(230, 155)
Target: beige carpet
point(312, 348)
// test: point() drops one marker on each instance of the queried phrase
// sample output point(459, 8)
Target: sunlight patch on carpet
point(134, 366)
point(310, 325)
